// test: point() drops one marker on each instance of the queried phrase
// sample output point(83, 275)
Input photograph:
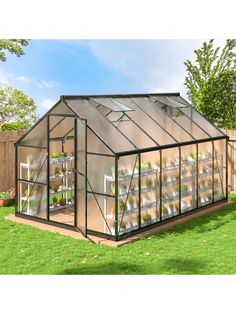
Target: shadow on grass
point(184, 266)
point(104, 269)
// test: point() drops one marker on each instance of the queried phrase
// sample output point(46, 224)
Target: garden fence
point(7, 158)
point(231, 159)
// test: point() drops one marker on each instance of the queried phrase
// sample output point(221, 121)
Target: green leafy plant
point(164, 161)
point(57, 171)
point(121, 205)
point(55, 201)
point(145, 165)
point(164, 178)
point(146, 217)
point(15, 126)
point(62, 201)
point(131, 202)
point(4, 196)
point(63, 170)
point(54, 155)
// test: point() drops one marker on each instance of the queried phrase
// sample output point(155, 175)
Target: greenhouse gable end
point(114, 165)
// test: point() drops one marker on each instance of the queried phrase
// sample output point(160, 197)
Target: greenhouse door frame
point(17, 179)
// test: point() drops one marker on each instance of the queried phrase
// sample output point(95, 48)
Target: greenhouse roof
point(139, 122)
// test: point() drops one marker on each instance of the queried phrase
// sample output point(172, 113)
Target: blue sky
point(51, 68)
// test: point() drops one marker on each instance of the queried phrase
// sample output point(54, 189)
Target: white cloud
point(23, 79)
point(47, 103)
point(47, 84)
point(154, 65)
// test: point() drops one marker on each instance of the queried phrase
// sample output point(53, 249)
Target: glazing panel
point(95, 145)
point(128, 194)
point(32, 199)
point(188, 178)
point(150, 188)
point(81, 175)
point(159, 115)
point(170, 183)
point(101, 213)
point(112, 104)
point(135, 134)
point(62, 108)
point(200, 120)
point(32, 164)
point(61, 128)
point(205, 173)
point(219, 169)
point(100, 125)
point(190, 126)
point(37, 136)
point(101, 174)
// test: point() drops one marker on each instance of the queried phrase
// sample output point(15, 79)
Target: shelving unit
point(167, 198)
point(67, 182)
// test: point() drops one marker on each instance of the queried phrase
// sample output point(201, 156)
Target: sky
point(51, 68)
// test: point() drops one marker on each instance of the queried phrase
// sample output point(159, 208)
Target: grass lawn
point(205, 245)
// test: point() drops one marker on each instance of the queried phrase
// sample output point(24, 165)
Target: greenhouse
point(115, 165)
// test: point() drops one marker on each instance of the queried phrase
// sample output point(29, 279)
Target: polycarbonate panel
point(219, 169)
point(62, 109)
point(135, 134)
point(81, 175)
point(146, 122)
point(150, 188)
point(205, 173)
point(112, 104)
point(200, 120)
point(95, 145)
point(100, 125)
point(32, 199)
point(191, 127)
point(37, 136)
point(128, 194)
point(32, 164)
point(100, 213)
point(160, 116)
point(61, 128)
point(101, 174)
point(170, 183)
point(61, 171)
point(188, 178)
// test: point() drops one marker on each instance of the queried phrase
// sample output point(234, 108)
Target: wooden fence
point(7, 159)
point(231, 160)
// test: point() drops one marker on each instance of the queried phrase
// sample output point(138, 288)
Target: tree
point(15, 106)
point(211, 83)
point(14, 46)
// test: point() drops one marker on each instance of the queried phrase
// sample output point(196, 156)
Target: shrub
point(14, 126)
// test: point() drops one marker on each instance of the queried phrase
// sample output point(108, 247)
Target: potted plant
point(146, 217)
point(131, 202)
point(5, 199)
point(121, 205)
point(171, 207)
point(56, 171)
point(164, 161)
point(63, 171)
point(29, 159)
point(149, 182)
point(165, 178)
point(55, 201)
point(62, 201)
point(184, 188)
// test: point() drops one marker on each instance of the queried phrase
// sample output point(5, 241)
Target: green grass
point(205, 245)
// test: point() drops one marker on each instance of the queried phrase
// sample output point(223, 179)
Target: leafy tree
point(14, 46)
point(15, 106)
point(211, 83)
